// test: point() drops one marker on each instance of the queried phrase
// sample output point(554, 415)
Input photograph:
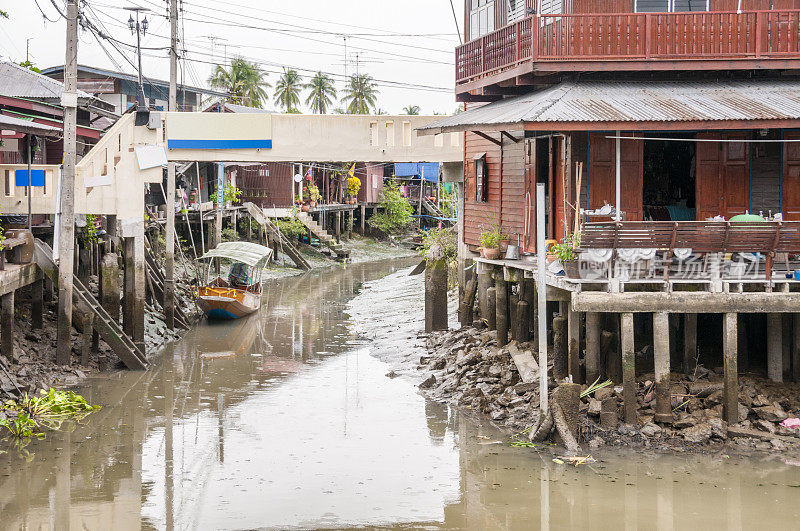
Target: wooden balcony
point(507, 57)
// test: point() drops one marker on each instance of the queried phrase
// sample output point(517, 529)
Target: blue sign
point(21, 178)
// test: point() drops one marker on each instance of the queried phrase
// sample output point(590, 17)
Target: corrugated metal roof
point(27, 126)
point(19, 82)
point(618, 101)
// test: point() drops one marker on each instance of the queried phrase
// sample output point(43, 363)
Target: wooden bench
point(765, 237)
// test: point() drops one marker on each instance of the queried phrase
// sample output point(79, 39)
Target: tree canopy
point(321, 93)
point(361, 94)
point(243, 81)
point(287, 90)
point(412, 110)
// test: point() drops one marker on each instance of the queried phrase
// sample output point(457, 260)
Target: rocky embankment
point(467, 369)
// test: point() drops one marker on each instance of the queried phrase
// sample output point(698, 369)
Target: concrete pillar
point(338, 225)
point(730, 345)
point(560, 348)
point(796, 347)
point(593, 346)
point(609, 413)
point(109, 285)
point(37, 304)
point(523, 321)
point(689, 342)
point(435, 295)
point(86, 336)
point(7, 324)
point(484, 283)
point(501, 309)
point(774, 347)
point(128, 286)
point(628, 368)
point(350, 225)
point(466, 311)
point(574, 344)
point(786, 340)
point(662, 367)
point(133, 312)
point(491, 309)
point(363, 219)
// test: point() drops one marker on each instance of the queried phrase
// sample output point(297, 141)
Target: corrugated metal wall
point(265, 185)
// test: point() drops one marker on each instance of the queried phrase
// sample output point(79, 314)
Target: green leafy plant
point(565, 250)
point(491, 237)
point(229, 234)
point(89, 235)
point(292, 228)
point(48, 408)
point(353, 186)
point(595, 386)
point(313, 193)
point(396, 212)
point(1, 239)
point(22, 426)
point(230, 194)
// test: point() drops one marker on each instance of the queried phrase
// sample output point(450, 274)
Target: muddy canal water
point(289, 420)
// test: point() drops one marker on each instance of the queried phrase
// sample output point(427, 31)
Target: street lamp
point(139, 29)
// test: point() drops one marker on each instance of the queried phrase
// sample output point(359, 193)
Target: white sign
point(151, 156)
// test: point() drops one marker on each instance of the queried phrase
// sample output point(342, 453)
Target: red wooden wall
point(478, 214)
point(266, 185)
point(791, 177)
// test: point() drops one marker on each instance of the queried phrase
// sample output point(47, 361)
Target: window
point(406, 134)
point(373, 134)
point(481, 178)
point(389, 134)
point(669, 6)
point(516, 10)
point(438, 140)
point(481, 18)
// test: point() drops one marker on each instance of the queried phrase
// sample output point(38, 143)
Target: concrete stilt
point(109, 285)
point(128, 286)
point(501, 309)
point(37, 304)
point(786, 341)
point(730, 345)
point(513, 300)
point(484, 283)
point(86, 336)
point(7, 324)
point(467, 310)
point(574, 344)
point(628, 368)
point(593, 346)
point(491, 309)
point(339, 226)
point(435, 295)
point(560, 348)
point(363, 219)
point(139, 290)
point(662, 367)
point(609, 413)
point(774, 347)
point(689, 342)
point(796, 347)
point(523, 321)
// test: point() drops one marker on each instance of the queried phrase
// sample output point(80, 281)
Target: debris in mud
point(466, 368)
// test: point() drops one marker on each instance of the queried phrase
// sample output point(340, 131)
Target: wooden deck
point(721, 40)
point(17, 276)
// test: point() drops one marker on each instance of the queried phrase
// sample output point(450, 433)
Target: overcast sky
point(410, 42)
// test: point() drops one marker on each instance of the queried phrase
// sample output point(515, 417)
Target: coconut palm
point(243, 81)
point(321, 93)
point(412, 110)
point(361, 93)
point(287, 90)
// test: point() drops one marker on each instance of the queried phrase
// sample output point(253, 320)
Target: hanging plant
point(90, 234)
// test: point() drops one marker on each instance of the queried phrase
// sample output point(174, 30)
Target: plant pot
point(312, 204)
point(571, 268)
point(504, 245)
point(305, 208)
point(491, 254)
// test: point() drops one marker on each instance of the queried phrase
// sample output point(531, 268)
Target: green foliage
point(22, 426)
point(447, 238)
point(361, 94)
point(229, 234)
point(566, 249)
point(287, 90)
point(230, 193)
point(448, 203)
point(490, 237)
point(48, 408)
point(89, 234)
point(353, 186)
point(30, 66)
point(292, 228)
point(321, 92)
point(244, 82)
point(595, 386)
point(313, 193)
point(1, 239)
point(396, 212)
point(412, 110)
point(3, 14)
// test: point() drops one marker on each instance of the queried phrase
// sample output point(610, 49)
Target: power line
point(44, 15)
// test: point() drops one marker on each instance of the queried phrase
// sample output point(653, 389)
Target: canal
point(307, 416)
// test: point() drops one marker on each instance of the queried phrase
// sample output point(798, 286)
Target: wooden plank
point(525, 362)
point(686, 302)
point(18, 276)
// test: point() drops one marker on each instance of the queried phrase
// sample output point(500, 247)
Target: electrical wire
point(44, 15)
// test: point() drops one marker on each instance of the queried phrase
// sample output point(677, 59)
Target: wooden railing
point(633, 36)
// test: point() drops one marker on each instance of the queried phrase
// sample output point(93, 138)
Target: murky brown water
point(287, 420)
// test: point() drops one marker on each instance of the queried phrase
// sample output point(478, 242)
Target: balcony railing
point(633, 36)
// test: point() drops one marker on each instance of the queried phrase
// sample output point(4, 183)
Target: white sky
point(412, 60)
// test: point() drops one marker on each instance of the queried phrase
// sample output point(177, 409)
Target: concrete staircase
point(323, 236)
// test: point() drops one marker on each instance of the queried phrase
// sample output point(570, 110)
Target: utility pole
point(66, 238)
point(169, 262)
point(139, 29)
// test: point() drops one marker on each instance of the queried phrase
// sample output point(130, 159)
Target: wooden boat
point(240, 295)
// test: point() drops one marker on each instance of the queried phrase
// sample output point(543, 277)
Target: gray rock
point(771, 413)
point(428, 382)
point(596, 443)
point(602, 394)
point(698, 433)
point(684, 422)
point(777, 444)
point(760, 400)
point(714, 399)
point(594, 407)
point(764, 425)
point(719, 428)
point(650, 430)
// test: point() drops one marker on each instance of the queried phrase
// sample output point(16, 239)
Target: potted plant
point(565, 253)
point(313, 195)
point(297, 200)
point(490, 242)
point(353, 186)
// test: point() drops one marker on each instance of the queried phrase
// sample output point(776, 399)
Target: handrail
point(730, 35)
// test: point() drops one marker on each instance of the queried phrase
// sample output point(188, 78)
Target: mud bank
point(465, 368)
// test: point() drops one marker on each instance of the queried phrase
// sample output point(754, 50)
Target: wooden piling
point(466, 311)
point(592, 360)
point(527, 293)
point(350, 224)
point(484, 283)
point(435, 294)
point(796, 347)
point(730, 345)
point(560, 348)
point(689, 342)
point(523, 321)
point(663, 409)
point(339, 226)
point(774, 347)
point(491, 309)
point(574, 344)
point(109, 285)
point(501, 309)
point(628, 368)
point(7, 324)
point(86, 336)
point(363, 219)
point(37, 304)
point(513, 300)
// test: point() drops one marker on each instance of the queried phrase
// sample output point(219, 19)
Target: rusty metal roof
point(27, 126)
point(19, 82)
point(598, 103)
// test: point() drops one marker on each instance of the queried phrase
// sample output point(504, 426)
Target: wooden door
point(722, 175)
point(560, 187)
point(602, 174)
point(736, 174)
point(529, 205)
point(708, 177)
point(791, 177)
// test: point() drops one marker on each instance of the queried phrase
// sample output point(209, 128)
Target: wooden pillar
point(484, 283)
point(7, 324)
point(338, 225)
point(662, 367)
point(796, 347)
point(730, 345)
point(560, 348)
point(501, 309)
point(133, 312)
point(363, 219)
point(37, 304)
point(774, 347)
point(86, 336)
point(523, 321)
point(109, 285)
point(527, 293)
point(689, 342)
point(628, 368)
point(435, 295)
point(491, 308)
point(350, 224)
point(466, 313)
point(574, 344)
point(592, 346)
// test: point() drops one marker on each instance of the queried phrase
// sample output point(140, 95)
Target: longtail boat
point(240, 294)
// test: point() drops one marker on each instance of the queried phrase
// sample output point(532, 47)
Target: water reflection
point(287, 419)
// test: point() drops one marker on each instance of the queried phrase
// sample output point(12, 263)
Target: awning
point(251, 254)
point(28, 126)
point(643, 105)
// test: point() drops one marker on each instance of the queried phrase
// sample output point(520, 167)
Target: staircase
point(109, 330)
point(323, 236)
point(432, 208)
point(274, 234)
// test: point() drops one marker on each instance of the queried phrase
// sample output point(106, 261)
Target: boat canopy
point(251, 254)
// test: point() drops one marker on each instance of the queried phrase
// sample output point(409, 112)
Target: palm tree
point(361, 93)
point(412, 110)
point(321, 92)
point(243, 82)
point(287, 90)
